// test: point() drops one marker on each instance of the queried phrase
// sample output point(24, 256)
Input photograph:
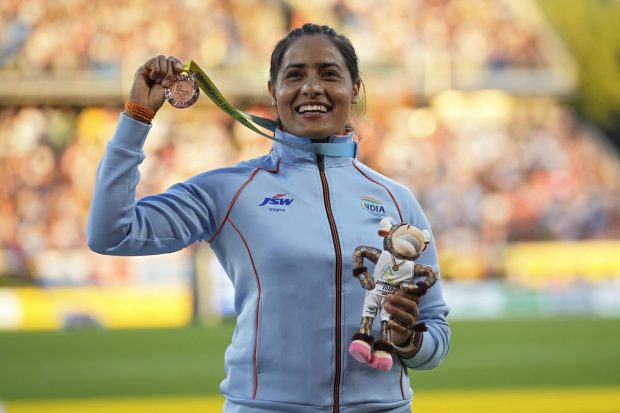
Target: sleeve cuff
point(410, 345)
point(130, 133)
point(424, 354)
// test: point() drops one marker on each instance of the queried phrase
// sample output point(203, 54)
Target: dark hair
point(342, 43)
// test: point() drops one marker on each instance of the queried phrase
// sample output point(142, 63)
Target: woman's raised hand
point(151, 78)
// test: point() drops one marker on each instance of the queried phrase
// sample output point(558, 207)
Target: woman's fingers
point(173, 66)
point(159, 68)
point(400, 316)
point(152, 66)
point(162, 64)
point(167, 80)
point(397, 328)
point(403, 308)
point(177, 65)
point(404, 312)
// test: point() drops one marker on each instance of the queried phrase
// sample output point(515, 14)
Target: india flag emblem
point(373, 206)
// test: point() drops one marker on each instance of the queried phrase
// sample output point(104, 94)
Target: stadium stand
point(464, 105)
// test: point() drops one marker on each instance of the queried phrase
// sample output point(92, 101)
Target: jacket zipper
point(336, 241)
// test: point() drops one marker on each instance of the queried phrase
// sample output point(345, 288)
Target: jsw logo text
point(277, 200)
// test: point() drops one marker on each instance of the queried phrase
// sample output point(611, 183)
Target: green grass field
point(550, 353)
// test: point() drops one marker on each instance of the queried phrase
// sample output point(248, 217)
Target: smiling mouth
point(312, 109)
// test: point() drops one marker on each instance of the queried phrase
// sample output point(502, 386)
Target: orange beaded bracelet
point(141, 112)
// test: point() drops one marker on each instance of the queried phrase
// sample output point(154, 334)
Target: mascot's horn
point(384, 226)
point(428, 239)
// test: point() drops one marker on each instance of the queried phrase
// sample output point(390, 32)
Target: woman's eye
point(330, 73)
point(292, 75)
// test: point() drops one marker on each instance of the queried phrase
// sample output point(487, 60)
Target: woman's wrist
point(139, 112)
point(411, 346)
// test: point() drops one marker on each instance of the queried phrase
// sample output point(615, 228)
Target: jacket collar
point(290, 154)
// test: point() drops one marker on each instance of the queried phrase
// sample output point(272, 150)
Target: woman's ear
point(356, 90)
point(272, 93)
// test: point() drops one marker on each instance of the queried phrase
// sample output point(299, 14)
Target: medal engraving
point(183, 92)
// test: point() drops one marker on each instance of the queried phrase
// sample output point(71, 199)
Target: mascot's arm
point(359, 270)
point(420, 288)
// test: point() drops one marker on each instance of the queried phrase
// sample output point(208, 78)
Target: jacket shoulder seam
point(236, 196)
point(400, 214)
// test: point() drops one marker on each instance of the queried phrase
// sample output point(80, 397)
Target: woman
point(290, 260)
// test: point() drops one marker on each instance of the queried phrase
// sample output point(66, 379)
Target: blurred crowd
point(491, 170)
point(526, 171)
point(107, 36)
point(488, 168)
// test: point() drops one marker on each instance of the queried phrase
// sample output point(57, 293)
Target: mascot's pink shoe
point(381, 360)
point(360, 350)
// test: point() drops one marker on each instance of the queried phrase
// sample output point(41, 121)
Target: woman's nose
point(312, 86)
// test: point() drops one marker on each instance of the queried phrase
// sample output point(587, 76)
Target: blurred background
point(501, 116)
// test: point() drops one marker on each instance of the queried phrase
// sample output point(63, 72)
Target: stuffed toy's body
point(395, 268)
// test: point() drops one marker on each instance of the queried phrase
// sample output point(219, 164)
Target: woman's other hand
point(403, 307)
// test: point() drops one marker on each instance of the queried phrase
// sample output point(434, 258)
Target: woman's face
point(314, 90)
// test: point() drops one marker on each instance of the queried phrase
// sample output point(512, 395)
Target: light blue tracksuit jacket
point(284, 226)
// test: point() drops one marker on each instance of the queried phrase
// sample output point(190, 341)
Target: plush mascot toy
point(394, 267)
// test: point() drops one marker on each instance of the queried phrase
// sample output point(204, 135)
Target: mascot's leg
point(382, 348)
point(361, 343)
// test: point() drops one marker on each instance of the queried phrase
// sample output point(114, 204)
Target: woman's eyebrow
point(321, 65)
point(295, 66)
point(328, 64)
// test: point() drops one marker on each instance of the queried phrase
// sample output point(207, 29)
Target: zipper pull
point(321, 161)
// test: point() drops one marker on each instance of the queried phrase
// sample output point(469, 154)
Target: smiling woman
point(284, 227)
point(313, 88)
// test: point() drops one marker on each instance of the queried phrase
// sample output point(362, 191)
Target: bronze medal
point(183, 92)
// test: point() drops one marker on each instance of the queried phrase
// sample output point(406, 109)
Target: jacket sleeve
point(118, 224)
point(433, 308)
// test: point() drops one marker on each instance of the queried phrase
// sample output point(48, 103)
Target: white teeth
point(312, 108)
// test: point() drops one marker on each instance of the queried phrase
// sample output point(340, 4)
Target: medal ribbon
point(248, 120)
